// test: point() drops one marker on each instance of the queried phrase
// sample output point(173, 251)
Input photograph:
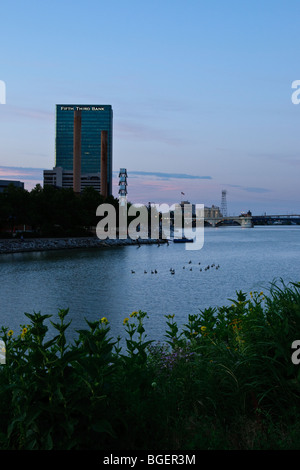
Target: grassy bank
point(226, 380)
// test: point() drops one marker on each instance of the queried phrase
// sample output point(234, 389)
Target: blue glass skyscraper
point(94, 120)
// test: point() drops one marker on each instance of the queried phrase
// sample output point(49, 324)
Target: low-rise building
point(212, 212)
point(5, 183)
point(64, 179)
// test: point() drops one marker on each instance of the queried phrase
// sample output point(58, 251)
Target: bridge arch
point(228, 221)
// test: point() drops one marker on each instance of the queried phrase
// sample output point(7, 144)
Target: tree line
point(49, 211)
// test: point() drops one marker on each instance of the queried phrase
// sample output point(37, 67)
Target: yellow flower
point(24, 331)
point(10, 333)
point(104, 320)
point(133, 314)
point(126, 320)
point(203, 328)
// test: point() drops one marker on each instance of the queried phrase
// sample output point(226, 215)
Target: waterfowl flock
point(172, 270)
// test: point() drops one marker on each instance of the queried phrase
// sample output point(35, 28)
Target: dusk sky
point(200, 90)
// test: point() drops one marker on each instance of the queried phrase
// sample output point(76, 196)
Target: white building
point(64, 179)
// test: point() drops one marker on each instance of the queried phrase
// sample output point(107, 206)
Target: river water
point(95, 283)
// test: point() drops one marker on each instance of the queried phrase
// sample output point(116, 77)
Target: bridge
point(290, 219)
point(243, 221)
point(248, 221)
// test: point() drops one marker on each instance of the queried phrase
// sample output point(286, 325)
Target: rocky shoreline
point(46, 244)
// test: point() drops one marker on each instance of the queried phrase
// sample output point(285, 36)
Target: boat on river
point(183, 240)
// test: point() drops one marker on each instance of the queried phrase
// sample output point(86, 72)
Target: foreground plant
point(54, 390)
point(223, 380)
